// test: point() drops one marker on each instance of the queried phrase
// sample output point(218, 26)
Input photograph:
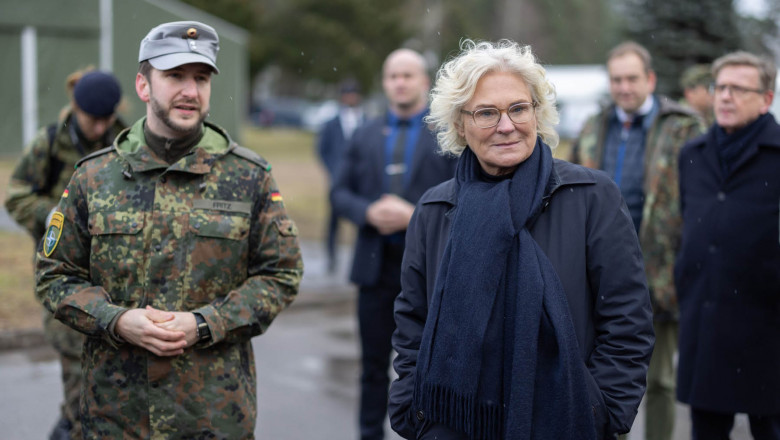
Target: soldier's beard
point(163, 114)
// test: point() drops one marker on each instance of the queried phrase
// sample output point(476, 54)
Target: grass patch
point(20, 308)
point(301, 178)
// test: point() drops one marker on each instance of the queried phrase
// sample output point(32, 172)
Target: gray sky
point(751, 7)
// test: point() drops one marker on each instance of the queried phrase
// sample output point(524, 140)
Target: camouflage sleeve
point(661, 233)
point(62, 267)
point(587, 136)
point(25, 201)
point(274, 273)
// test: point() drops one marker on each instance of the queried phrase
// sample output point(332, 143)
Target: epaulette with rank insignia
point(97, 153)
point(251, 156)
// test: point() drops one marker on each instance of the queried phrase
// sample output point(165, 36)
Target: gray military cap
point(172, 44)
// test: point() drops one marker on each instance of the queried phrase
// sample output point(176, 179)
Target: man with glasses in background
point(636, 140)
point(727, 273)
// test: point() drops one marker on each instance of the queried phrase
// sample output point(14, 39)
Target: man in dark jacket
point(727, 273)
point(390, 162)
point(331, 143)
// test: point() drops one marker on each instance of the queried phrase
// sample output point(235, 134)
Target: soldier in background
point(87, 124)
point(170, 251)
point(696, 81)
point(636, 140)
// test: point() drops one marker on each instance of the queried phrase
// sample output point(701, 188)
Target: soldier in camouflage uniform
point(170, 251)
point(696, 82)
point(646, 133)
point(88, 124)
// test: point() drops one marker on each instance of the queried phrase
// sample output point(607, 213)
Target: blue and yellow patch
point(53, 233)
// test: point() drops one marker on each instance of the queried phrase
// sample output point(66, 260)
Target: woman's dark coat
point(727, 276)
point(587, 234)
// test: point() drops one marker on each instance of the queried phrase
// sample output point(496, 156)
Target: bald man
point(390, 162)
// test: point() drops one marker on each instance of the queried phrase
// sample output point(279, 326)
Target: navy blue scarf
point(731, 146)
point(498, 356)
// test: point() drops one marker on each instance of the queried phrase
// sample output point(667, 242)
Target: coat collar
point(131, 145)
point(705, 144)
point(769, 136)
point(563, 174)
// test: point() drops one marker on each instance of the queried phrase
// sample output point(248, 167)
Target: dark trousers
point(708, 425)
point(331, 240)
point(375, 317)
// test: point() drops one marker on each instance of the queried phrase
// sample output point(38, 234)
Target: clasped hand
point(162, 333)
point(389, 214)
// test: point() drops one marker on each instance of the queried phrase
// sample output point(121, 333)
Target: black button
point(154, 384)
point(721, 196)
point(420, 416)
point(158, 248)
point(163, 179)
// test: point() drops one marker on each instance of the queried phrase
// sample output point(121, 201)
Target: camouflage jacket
point(659, 233)
point(42, 174)
point(207, 234)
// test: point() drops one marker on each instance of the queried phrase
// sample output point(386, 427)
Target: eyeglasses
point(491, 116)
point(735, 91)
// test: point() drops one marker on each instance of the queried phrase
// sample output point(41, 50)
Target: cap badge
point(191, 33)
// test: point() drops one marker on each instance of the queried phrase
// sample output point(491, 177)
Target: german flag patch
point(276, 196)
point(53, 233)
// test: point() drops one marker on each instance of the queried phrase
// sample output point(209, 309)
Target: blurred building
point(42, 41)
point(580, 90)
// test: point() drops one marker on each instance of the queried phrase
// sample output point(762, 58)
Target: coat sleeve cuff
point(217, 330)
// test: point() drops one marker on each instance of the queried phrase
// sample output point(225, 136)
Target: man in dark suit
point(390, 162)
point(727, 272)
point(332, 142)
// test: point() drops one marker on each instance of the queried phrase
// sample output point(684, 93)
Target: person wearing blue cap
point(170, 251)
point(87, 124)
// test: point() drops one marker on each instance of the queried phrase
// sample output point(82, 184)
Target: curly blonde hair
point(457, 80)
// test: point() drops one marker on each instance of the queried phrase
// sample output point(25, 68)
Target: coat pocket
point(217, 257)
point(600, 416)
point(116, 258)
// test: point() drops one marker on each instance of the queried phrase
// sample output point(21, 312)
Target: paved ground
point(307, 366)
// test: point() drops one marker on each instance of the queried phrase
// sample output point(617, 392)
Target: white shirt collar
point(644, 109)
point(350, 117)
